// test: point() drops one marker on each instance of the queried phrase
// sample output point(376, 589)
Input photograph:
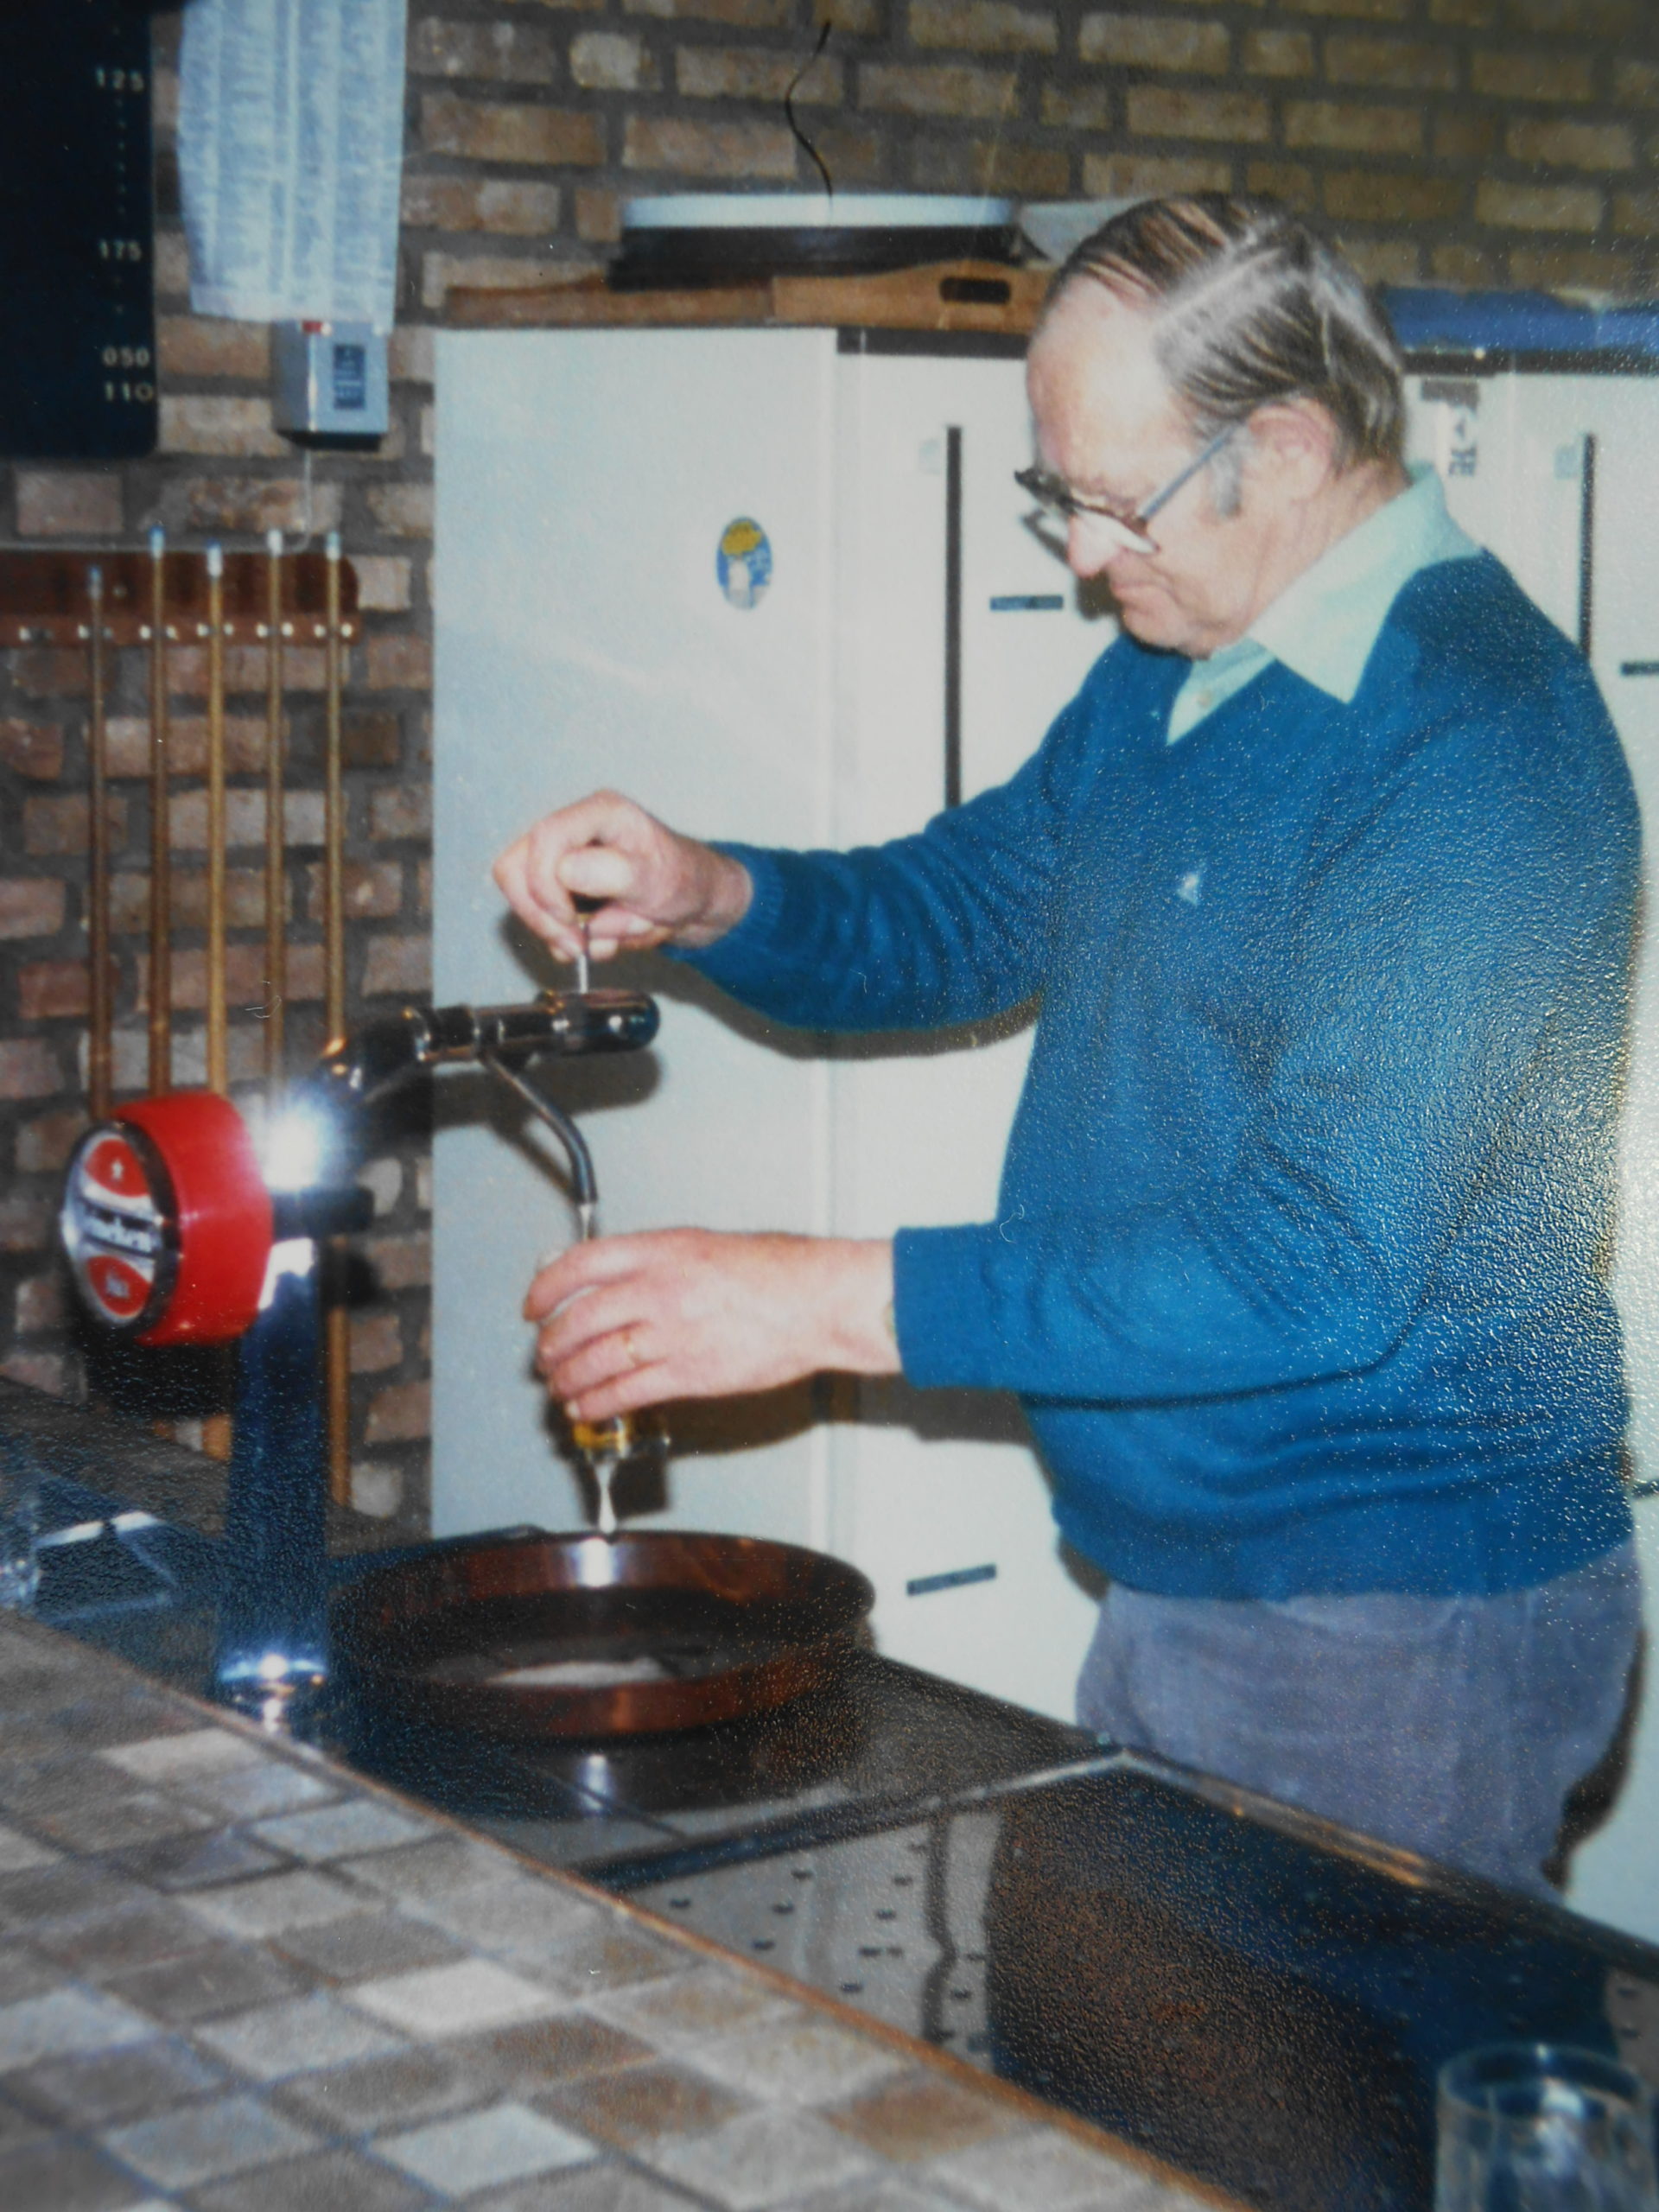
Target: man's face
point(1109, 426)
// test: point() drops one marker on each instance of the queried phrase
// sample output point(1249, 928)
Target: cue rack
point(160, 602)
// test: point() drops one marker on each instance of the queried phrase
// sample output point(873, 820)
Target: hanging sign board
point(78, 369)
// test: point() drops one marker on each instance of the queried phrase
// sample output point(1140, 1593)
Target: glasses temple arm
point(1200, 460)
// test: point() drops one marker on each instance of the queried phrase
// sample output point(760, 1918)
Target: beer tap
point(181, 1229)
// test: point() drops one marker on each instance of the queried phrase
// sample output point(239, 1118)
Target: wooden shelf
point(977, 296)
point(590, 303)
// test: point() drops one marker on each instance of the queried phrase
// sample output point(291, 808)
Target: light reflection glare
point(593, 1770)
point(269, 1689)
point(293, 1148)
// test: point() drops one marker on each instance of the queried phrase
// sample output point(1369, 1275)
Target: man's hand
point(632, 1321)
point(656, 887)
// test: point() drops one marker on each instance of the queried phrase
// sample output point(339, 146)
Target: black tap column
point(273, 1597)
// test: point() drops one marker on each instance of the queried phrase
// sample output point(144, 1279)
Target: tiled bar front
point(233, 1978)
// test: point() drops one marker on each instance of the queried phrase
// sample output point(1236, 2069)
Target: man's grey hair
point(1252, 307)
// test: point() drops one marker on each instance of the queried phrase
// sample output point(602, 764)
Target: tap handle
point(376, 1055)
point(558, 1024)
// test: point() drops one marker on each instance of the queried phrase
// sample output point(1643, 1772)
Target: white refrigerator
point(780, 586)
point(1558, 471)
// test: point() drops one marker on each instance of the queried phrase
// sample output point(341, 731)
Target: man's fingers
point(632, 1393)
point(557, 925)
point(573, 1369)
point(546, 850)
point(581, 1322)
point(611, 930)
point(583, 1269)
point(653, 888)
point(529, 871)
point(615, 929)
point(564, 1284)
point(511, 874)
point(599, 872)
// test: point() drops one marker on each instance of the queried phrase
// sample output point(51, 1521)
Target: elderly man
point(1326, 879)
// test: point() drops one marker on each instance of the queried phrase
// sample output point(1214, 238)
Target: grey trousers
point(1453, 1725)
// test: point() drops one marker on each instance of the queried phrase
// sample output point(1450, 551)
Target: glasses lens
point(1064, 506)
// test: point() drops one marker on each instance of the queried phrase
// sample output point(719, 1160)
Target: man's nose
point(1092, 551)
point(1086, 554)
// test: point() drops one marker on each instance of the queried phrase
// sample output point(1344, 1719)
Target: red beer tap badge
point(167, 1221)
point(115, 1231)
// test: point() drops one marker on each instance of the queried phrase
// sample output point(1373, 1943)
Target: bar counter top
point(235, 1977)
point(240, 1974)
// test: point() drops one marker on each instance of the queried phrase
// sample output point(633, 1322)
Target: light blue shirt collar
point(1324, 625)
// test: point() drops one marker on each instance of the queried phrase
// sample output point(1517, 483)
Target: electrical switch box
point(330, 381)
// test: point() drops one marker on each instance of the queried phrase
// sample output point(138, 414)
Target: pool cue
point(100, 1044)
point(334, 902)
point(216, 1427)
point(219, 1077)
point(161, 847)
point(336, 1341)
point(275, 919)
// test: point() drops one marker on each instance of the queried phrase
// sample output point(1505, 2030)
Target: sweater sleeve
point(1462, 947)
point(949, 925)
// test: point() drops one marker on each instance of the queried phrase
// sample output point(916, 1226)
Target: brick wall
point(1477, 142)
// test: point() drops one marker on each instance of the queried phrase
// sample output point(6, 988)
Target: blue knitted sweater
point(1299, 1264)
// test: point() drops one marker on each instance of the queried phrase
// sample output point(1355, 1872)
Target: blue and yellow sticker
point(743, 562)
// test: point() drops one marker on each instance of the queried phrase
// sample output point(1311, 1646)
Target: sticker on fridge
point(743, 562)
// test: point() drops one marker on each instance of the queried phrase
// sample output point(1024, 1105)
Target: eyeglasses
point(1129, 530)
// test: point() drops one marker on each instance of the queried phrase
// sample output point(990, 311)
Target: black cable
point(801, 139)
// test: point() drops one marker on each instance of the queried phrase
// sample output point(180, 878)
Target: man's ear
point(1297, 442)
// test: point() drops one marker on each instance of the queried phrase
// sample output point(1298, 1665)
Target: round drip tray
point(549, 1635)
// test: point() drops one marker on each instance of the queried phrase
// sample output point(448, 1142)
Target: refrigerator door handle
point(953, 616)
point(1588, 545)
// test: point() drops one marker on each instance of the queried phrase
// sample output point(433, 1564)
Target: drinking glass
point(20, 1511)
point(1543, 2128)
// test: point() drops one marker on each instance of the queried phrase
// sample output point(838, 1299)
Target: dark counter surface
point(124, 1461)
point(1256, 1998)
